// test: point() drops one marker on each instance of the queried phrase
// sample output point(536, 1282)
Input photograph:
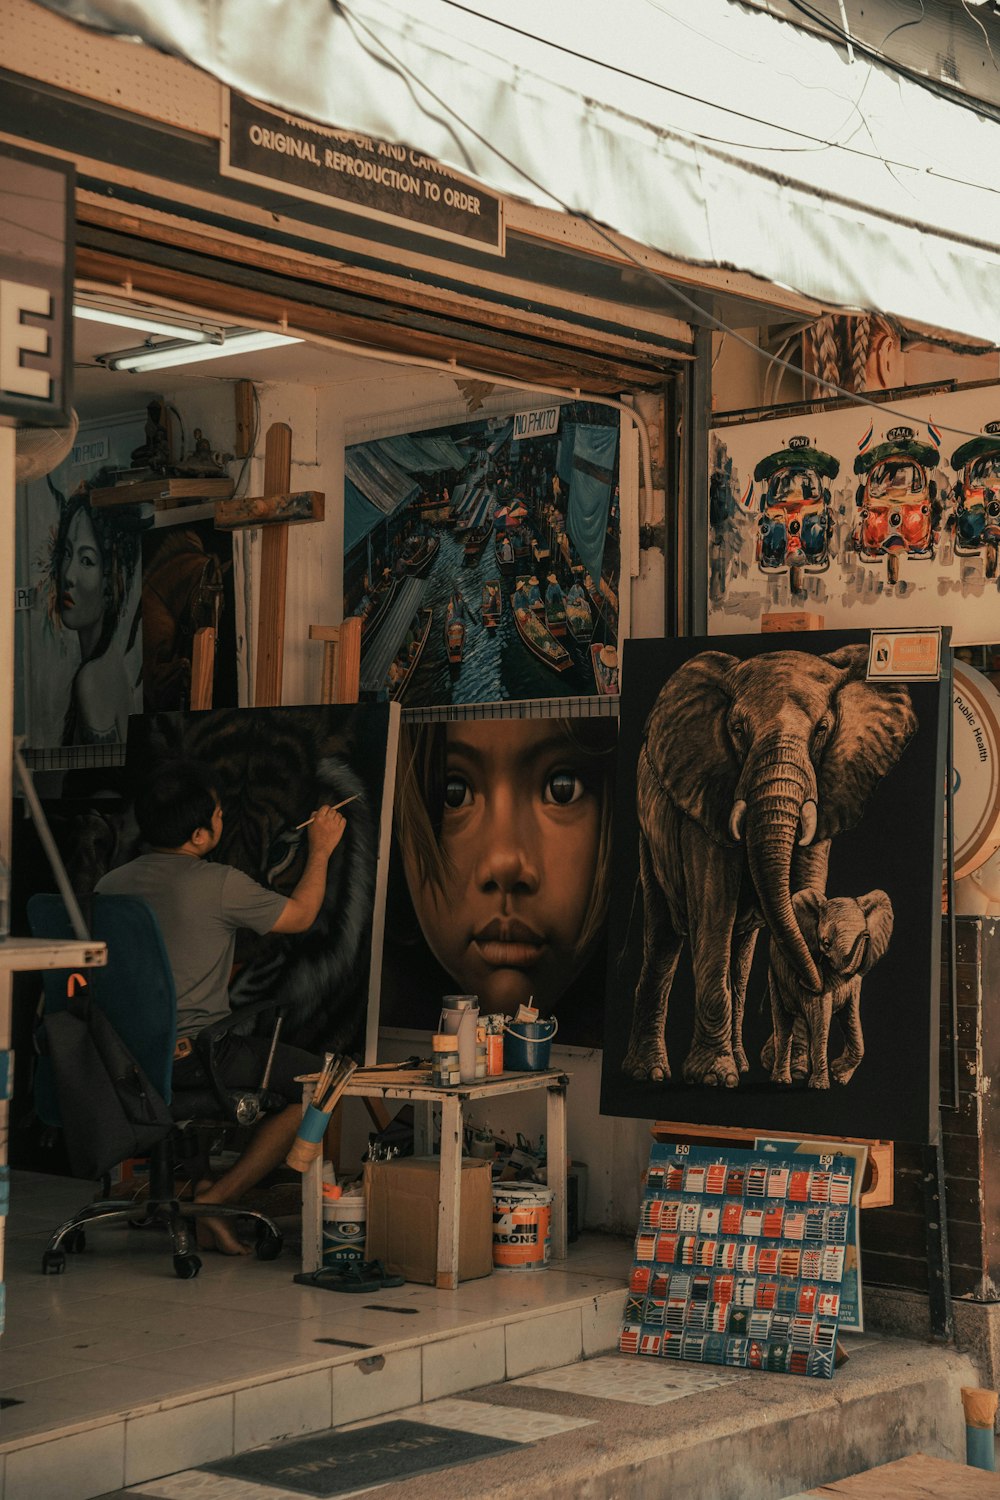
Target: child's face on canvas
point(520, 836)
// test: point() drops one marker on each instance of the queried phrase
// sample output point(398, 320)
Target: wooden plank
point(246, 420)
point(347, 686)
point(203, 668)
point(564, 368)
point(273, 573)
point(449, 1193)
point(163, 493)
point(915, 1478)
point(343, 291)
point(270, 510)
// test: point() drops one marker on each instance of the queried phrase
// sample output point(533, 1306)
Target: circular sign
point(976, 717)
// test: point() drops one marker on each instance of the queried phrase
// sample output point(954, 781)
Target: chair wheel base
point(75, 1242)
point(53, 1263)
point(187, 1266)
point(269, 1243)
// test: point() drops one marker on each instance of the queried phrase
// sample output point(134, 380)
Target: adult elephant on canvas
point(747, 770)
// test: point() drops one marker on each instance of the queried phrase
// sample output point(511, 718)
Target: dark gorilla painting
point(775, 917)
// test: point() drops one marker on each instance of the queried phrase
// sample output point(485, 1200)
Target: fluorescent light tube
point(189, 354)
point(151, 324)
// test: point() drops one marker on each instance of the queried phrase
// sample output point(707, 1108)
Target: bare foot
point(216, 1234)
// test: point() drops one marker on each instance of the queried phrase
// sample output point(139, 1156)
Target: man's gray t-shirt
point(199, 907)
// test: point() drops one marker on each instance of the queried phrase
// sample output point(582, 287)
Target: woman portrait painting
point(93, 587)
point(500, 867)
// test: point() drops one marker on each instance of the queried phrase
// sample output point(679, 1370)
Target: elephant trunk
point(780, 785)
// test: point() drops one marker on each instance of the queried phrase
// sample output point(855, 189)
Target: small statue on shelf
point(202, 462)
point(153, 454)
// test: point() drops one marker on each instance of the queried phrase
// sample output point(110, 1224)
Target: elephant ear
point(809, 906)
point(687, 743)
point(878, 919)
point(874, 725)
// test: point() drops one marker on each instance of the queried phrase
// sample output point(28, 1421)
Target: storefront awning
point(714, 133)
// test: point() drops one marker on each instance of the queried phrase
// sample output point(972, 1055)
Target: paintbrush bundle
point(330, 1085)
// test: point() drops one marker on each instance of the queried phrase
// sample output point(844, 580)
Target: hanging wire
point(390, 61)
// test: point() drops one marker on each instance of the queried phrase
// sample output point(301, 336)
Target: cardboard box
point(796, 619)
point(402, 1198)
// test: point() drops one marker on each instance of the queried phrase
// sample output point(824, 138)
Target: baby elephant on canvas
point(846, 937)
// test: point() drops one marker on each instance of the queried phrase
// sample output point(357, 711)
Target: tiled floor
point(123, 1372)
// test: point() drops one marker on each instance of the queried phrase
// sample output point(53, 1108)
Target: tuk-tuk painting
point(879, 518)
point(977, 497)
point(795, 522)
point(899, 513)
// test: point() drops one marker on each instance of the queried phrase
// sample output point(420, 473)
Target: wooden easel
point(341, 660)
point(275, 511)
point(203, 667)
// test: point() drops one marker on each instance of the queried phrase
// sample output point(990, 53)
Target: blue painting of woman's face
point(81, 587)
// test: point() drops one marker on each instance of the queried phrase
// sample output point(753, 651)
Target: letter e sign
point(18, 337)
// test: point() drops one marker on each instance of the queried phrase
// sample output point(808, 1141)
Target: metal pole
point(7, 494)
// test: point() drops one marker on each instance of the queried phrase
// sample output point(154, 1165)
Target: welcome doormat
point(335, 1463)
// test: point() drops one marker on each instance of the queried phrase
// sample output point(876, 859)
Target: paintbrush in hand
point(336, 808)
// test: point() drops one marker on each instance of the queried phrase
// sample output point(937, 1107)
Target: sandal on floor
point(352, 1276)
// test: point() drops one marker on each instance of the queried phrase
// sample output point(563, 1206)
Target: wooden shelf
point(163, 493)
point(47, 953)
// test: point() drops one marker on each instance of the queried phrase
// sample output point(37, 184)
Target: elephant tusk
point(807, 822)
point(736, 817)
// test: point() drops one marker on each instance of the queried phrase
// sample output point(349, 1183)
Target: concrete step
point(742, 1436)
point(756, 1437)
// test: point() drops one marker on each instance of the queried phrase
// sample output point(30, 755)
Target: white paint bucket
point(344, 1229)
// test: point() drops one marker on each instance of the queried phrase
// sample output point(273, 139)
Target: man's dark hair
point(177, 798)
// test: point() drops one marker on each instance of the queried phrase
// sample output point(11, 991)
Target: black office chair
point(136, 993)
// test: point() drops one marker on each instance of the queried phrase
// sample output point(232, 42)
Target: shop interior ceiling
point(100, 391)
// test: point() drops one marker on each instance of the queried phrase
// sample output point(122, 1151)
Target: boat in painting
point(476, 539)
point(604, 660)
point(407, 658)
point(539, 639)
point(374, 606)
point(419, 554)
point(492, 603)
point(555, 608)
point(504, 549)
point(454, 635)
point(579, 618)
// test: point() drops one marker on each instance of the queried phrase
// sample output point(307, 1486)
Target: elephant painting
point(747, 770)
point(846, 938)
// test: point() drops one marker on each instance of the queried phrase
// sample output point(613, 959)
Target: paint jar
point(491, 1033)
point(344, 1224)
point(459, 1019)
point(445, 1072)
point(480, 1060)
point(522, 1227)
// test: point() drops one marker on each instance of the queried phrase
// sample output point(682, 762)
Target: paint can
point(344, 1223)
point(522, 1226)
point(526, 1045)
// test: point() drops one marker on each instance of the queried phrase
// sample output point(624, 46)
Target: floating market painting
point(484, 558)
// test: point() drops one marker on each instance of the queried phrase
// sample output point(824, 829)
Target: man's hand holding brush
point(326, 829)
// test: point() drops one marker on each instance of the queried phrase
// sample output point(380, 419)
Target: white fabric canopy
point(744, 142)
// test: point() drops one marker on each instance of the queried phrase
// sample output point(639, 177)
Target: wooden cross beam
point(275, 510)
point(341, 660)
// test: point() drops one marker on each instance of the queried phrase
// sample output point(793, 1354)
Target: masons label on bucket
point(522, 1222)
